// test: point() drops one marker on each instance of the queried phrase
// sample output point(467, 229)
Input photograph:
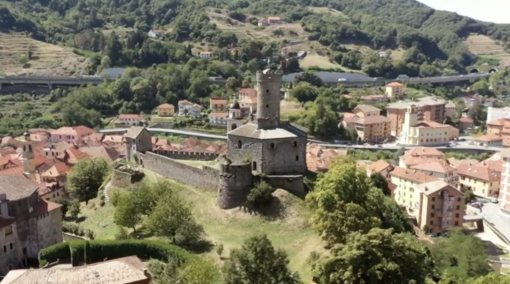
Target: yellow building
point(394, 89)
point(423, 133)
point(483, 179)
point(165, 110)
point(366, 111)
point(406, 192)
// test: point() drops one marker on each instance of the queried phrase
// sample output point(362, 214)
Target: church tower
point(28, 158)
point(411, 117)
point(268, 98)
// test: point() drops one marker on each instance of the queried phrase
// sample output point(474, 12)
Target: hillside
point(45, 59)
point(345, 32)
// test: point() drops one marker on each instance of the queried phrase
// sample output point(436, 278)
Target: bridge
point(52, 81)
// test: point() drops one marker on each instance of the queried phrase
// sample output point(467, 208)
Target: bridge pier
point(50, 86)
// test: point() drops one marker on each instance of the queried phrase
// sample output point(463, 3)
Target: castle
point(263, 148)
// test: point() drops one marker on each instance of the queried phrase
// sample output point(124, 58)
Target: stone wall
point(181, 155)
point(205, 177)
point(235, 184)
point(125, 179)
point(293, 184)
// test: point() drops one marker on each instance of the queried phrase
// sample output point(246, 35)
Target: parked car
point(494, 200)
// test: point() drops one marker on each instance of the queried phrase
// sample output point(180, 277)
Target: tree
point(460, 256)
point(74, 209)
point(172, 218)
point(304, 92)
point(219, 249)
point(469, 196)
point(261, 194)
point(378, 257)
point(310, 78)
point(65, 206)
point(126, 212)
point(106, 62)
point(257, 262)
point(380, 182)
point(86, 178)
point(199, 272)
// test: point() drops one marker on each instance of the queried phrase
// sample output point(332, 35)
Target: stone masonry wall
point(121, 179)
point(206, 177)
point(181, 155)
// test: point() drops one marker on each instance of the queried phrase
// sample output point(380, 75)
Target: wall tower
point(28, 157)
point(268, 100)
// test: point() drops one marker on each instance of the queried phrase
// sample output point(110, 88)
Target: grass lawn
point(99, 219)
point(289, 231)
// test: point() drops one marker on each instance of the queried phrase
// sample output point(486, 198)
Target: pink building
point(71, 134)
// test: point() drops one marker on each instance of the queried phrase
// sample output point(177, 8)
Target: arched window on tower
point(239, 144)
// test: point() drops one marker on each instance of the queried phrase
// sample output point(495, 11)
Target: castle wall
point(250, 151)
point(205, 177)
point(180, 155)
point(293, 184)
point(284, 156)
point(125, 179)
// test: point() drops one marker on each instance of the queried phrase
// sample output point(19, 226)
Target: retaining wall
point(180, 155)
point(205, 177)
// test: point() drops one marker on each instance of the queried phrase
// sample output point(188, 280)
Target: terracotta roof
point(196, 105)
point(430, 124)
point(185, 102)
point(76, 155)
point(372, 119)
point(366, 108)
point(44, 206)
point(457, 163)
point(77, 130)
point(435, 186)
point(497, 122)
point(206, 52)
point(488, 138)
point(248, 91)
point(466, 120)
point(94, 137)
point(129, 116)
point(480, 171)
point(116, 271)
point(218, 100)
point(273, 18)
point(165, 106)
point(412, 175)
point(218, 114)
point(421, 151)
point(436, 165)
point(109, 154)
point(394, 84)
point(57, 170)
point(113, 138)
point(16, 186)
point(18, 170)
point(379, 166)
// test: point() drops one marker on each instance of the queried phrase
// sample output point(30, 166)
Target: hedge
point(110, 249)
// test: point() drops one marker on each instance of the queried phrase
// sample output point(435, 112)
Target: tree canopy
point(86, 178)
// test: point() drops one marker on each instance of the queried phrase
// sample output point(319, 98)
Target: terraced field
point(46, 59)
point(485, 46)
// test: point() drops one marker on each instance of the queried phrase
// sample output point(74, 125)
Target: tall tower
point(268, 98)
point(411, 117)
point(28, 158)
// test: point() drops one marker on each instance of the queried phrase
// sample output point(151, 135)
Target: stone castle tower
point(268, 99)
point(28, 158)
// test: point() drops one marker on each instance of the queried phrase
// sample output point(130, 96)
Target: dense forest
point(432, 39)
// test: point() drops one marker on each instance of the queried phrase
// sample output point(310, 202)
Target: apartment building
point(497, 113)
point(415, 132)
point(504, 191)
point(406, 182)
point(129, 120)
point(366, 111)
point(427, 109)
point(450, 110)
point(165, 110)
point(369, 124)
point(482, 178)
point(440, 207)
point(395, 89)
point(70, 134)
point(218, 104)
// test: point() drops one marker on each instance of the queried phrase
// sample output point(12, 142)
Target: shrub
point(101, 249)
point(90, 234)
point(114, 197)
point(261, 194)
point(122, 234)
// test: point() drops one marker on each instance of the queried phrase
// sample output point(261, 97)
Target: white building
point(218, 118)
point(497, 113)
point(156, 33)
point(206, 54)
point(129, 119)
point(504, 191)
point(189, 109)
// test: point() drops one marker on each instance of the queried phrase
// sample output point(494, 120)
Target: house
point(450, 110)
point(137, 139)
point(218, 118)
point(384, 54)
point(382, 167)
point(269, 21)
point(418, 133)
point(69, 134)
point(431, 162)
point(372, 128)
point(366, 111)
point(441, 207)
point(189, 109)
point(428, 109)
point(320, 159)
point(218, 104)
point(165, 110)
point(27, 223)
point(482, 178)
point(124, 270)
point(466, 123)
point(489, 140)
point(504, 191)
point(394, 90)
point(94, 139)
point(156, 33)
point(206, 54)
point(129, 120)
point(497, 113)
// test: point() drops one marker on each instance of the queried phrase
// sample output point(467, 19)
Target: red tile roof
point(57, 170)
point(185, 102)
point(412, 175)
point(165, 106)
point(44, 206)
point(129, 116)
point(77, 130)
point(466, 120)
point(394, 84)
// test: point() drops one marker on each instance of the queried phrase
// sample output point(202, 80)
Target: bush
point(122, 234)
point(114, 197)
point(261, 194)
point(101, 249)
point(90, 234)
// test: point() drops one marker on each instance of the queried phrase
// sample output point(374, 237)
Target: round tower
point(268, 98)
point(236, 180)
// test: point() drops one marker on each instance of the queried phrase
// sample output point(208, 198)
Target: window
point(272, 145)
point(239, 144)
point(458, 207)
point(458, 199)
point(295, 144)
point(8, 230)
point(267, 106)
point(456, 223)
point(431, 215)
point(297, 158)
point(431, 223)
point(11, 246)
point(433, 207)
point(433, 199)
point(457, 215)
point(267, 91)
point(5, 248)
